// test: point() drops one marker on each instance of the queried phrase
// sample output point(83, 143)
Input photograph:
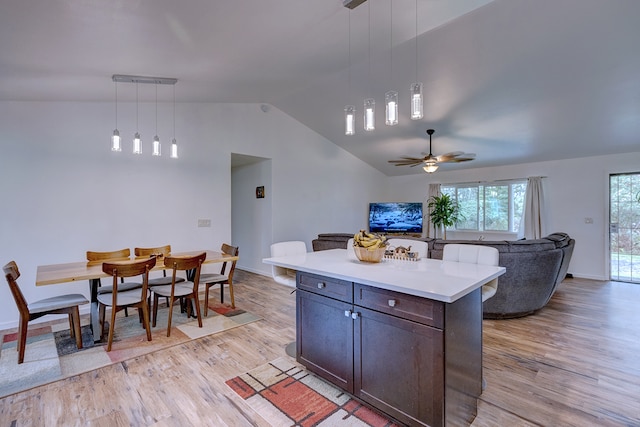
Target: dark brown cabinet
point(416, 359)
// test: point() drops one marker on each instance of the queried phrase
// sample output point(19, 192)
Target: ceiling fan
point(430, 162)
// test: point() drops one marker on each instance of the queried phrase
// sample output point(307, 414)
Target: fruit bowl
point(365, 255)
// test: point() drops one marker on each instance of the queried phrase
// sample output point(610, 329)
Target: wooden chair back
point(129, 269)
point(98, 257)
point(233, 251)
point(161, 251)
point(12, 273)
point(186, 263)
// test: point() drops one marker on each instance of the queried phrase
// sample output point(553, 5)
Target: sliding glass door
point(624, 226)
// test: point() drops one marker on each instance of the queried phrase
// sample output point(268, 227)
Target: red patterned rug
point(285, 394)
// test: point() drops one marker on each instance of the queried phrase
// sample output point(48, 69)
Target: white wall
point(575, 189)
point(64, 192)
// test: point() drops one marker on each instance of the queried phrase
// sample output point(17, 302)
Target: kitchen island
point(402, 336)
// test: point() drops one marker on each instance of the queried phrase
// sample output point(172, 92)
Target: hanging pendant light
point(369, 103)
point(174, 144)
point(416, 88)
point(391, 97)
point(115, 138)
point(349, 110)
point(137, 141)
point(157, 148)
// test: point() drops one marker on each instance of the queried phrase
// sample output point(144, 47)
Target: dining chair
point(286, 276)
point(212, 279)
point(177, 290)
point(160, 252)
point(118, 255)
point(475, 254)
point(121, 299)
point(61, 304)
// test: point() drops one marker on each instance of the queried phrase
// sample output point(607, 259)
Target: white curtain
point(434, 190)
point(533, 225)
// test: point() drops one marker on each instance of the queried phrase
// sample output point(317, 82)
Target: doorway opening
point(624, 227)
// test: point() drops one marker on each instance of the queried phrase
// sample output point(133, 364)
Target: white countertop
point(444, 281)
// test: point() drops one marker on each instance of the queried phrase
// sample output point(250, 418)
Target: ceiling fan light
point(391, 101)
point(416, 101)
point(430, 166)
point(349, 120)
point(369, 114)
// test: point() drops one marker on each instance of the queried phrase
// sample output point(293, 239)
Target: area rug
point(285, 394)
point(51, 353)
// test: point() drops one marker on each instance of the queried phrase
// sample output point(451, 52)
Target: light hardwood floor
point(575, 363)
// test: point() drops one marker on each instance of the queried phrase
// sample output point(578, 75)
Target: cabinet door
point(399, 367)
point(324, 338)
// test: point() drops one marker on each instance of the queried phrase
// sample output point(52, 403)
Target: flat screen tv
point(398, 218)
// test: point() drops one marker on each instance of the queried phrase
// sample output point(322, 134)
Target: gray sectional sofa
point(534, 269)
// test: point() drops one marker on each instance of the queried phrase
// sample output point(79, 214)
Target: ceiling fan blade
point(406, 163)
point(456, 158)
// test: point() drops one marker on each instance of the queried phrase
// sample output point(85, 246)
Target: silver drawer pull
point(354, 315)
point(321, 285)
point(347, 313)
point(392, 303)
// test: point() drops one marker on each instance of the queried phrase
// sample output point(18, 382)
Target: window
point(489, 206)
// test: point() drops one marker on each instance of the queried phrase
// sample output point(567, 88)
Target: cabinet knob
point(321, 285)
point(355, 315)
point(392, 303)
point(347, 313)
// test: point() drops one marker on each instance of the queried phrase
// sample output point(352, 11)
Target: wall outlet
point(204, 223)
point(588, 220)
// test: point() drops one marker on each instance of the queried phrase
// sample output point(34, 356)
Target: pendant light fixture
point(174, 144)
point(391, 97)
point(115, 138)
point(349, 110)
point(157, 148)
point(137, 141)
point(369, 103)
point(416, 88)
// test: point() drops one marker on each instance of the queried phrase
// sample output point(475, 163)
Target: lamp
point(115, 138)
point(391, 97)
point(430, 166)
point(416, 88)
point(174, 144)
point(157, 148)
point(369, 103)
point(349, 110)
point(137, 140)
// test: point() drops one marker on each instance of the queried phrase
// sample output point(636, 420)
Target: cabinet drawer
point(341, 290)
point(421, 310)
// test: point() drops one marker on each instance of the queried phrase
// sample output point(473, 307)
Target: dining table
point(53, 274)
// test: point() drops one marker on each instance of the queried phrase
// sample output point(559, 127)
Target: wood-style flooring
point(574, 363)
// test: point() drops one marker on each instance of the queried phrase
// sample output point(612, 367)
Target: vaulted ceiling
point(512, 81)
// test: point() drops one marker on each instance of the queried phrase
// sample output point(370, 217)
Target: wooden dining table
point(92, 271)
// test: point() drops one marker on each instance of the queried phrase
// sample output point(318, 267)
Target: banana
point(368, 240)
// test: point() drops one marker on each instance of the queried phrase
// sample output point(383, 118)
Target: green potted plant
point(443, 212)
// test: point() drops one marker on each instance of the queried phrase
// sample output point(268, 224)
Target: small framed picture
point(260, 192)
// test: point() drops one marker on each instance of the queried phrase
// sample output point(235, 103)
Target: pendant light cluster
point(391, 97)
point(116, 143)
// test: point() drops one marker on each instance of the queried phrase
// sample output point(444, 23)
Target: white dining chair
point(475, 254)
point(286, 276)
